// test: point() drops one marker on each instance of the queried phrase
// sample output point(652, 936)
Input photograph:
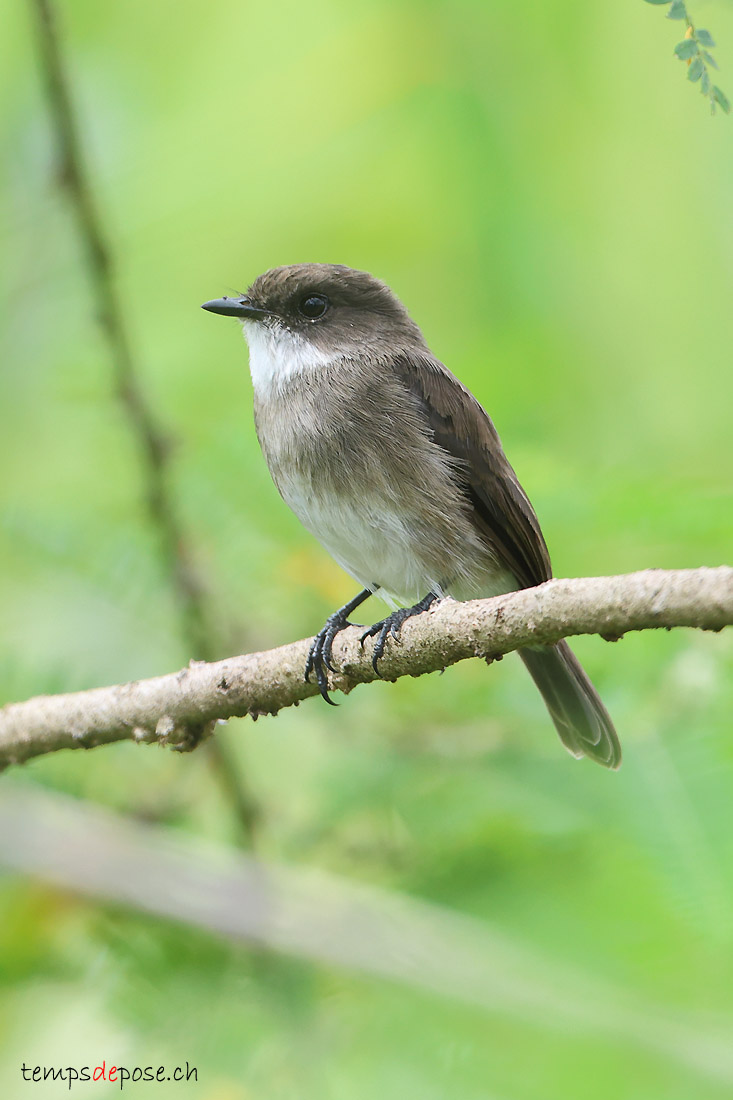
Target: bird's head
point(308, 315)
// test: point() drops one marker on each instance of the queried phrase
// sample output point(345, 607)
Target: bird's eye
point(313, 306)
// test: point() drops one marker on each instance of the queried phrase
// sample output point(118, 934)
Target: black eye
point(313, 306)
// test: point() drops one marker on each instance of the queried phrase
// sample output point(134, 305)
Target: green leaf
point(710, 59)
point(695, 70)
point(705, 82)
point(677, 11)
point(704, 37)
point(657, 1)
point(686, 48)
point(721, 98)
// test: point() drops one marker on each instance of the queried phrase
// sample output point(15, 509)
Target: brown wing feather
point(501, 511)
point(506, 521)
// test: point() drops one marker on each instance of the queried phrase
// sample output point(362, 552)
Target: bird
point(398, 471)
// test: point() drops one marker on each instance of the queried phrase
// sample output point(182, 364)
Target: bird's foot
point(321, 651)
point(392, 625)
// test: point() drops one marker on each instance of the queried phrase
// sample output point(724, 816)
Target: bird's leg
point(392, 625)
point(319, 655)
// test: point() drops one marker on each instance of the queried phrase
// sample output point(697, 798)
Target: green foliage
point(696, 69)
point(686, 49)
point(721, 98)
point(677, 11)
point(694, 50)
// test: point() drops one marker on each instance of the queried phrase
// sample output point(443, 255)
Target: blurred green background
point(553, 202)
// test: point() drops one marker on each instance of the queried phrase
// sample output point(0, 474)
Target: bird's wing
point(501, 511)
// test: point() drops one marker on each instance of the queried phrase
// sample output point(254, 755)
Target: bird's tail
point(580, 717)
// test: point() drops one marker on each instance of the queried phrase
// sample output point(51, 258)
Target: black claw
point(327, 657)
point(321, 651)
point(319, 656)
point(392, 625)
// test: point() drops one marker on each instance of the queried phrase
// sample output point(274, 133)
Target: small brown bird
point(397, 470)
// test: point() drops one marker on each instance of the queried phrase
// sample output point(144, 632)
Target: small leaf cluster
point(695, 50)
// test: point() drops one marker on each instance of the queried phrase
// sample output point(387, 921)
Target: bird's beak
point(243, 307)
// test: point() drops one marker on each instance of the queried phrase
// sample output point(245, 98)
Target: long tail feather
point(580, 717)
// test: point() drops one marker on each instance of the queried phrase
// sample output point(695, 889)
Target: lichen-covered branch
point(180, 709)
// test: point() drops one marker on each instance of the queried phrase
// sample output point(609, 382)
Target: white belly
point(373, 545)
point(373, 488)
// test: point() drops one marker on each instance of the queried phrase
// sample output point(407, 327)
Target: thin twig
point(153, 443)
point(181, 709)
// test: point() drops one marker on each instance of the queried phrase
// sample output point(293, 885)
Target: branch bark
point(181, 709)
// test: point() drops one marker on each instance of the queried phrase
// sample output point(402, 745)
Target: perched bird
point(396, 469)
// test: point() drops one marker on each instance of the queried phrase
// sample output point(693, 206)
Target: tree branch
point(180, 709)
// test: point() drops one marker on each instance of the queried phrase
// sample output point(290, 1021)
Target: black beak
point(242, 307)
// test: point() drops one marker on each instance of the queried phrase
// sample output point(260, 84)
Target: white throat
point(276, 354)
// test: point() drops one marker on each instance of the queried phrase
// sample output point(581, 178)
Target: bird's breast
point(353, 458)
